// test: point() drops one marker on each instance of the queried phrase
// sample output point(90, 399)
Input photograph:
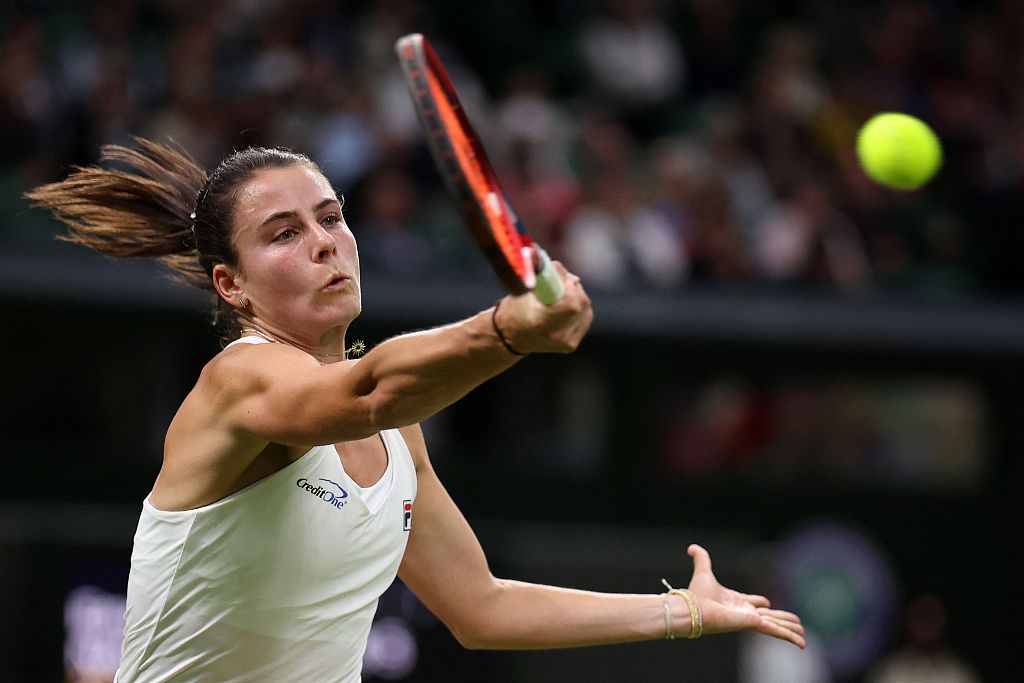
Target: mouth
point(335, 283)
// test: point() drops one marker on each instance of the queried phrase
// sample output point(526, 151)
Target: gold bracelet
point(696, 618)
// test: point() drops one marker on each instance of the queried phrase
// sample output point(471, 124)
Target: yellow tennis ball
point(898, 151)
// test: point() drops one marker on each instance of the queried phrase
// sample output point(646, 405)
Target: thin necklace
point(357, 348)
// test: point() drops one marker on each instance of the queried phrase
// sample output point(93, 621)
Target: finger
point(566, 274)
point(794, 626)
point(786, 620)
point(772, 628)
point(571, 340)
point(579, 326)
point(562, 271)
point(573, 300)
point(793, 631)
point(584, 314)
point(778, 614)
point(580, 331)
point(757, 600)
point(576, 299)
point(701, 558)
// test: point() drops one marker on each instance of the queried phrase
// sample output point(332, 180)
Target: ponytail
point(141, 206)
point(154, 201)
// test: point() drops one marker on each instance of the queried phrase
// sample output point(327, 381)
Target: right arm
point(279, 394)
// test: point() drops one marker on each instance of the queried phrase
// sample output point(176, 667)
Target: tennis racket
point(520, 263)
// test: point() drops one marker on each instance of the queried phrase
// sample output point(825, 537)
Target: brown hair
point(155, 201)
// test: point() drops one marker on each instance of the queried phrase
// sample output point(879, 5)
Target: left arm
point(445, 567)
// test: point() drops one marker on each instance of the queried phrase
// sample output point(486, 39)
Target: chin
point(343, 315)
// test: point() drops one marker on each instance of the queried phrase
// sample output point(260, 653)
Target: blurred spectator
point(806, 240)
point(29, 114)
point(529, 114)
point(696, 201)
point(714, 48)
point(390, 243)
point(533, 138)
point(191, 112)
point(760, 663)
point(786, 94)
point(725, 128)
point(635, 63)
point(714, 142)
point(718, 427)
point(924, 658)
point(614, 241)
point(342, 133)
point(919, 433)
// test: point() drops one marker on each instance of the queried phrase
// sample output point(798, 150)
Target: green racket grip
point(549, 288)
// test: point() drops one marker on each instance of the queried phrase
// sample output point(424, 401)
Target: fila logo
point(406, 515)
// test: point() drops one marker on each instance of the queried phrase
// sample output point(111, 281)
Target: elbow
point(353, 419)
point(363, 412)
point(472, 639)
point(385, 410)
point(466, 640)
point(483, 629)
point(380, 412)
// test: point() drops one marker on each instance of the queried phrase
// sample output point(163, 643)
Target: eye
point(284, 235)
point(331, 219)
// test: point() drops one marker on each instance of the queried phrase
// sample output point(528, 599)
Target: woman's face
point(297, 259)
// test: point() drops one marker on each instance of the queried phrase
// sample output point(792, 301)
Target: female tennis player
point(295, 483)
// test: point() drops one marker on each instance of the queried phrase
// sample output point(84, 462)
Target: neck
point(330, 349)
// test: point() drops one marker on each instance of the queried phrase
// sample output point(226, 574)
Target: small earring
point(242, 303)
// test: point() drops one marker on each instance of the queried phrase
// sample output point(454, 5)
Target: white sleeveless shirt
point(277, 582)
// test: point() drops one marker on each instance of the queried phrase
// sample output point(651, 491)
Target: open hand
point(725, 610)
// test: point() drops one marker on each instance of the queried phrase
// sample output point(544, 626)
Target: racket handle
point(549, 286)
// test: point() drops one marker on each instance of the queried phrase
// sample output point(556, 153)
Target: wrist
point(502, 338)
point(683, 616)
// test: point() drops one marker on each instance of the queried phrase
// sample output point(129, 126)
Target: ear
point(228, 283)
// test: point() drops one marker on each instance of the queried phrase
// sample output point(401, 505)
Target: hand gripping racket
point(521, 264)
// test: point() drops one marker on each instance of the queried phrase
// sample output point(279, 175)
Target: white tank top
point(277, 582)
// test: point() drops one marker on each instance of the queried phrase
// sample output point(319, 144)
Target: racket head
point(463, 163)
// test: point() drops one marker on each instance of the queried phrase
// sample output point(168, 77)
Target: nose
point(323, 243)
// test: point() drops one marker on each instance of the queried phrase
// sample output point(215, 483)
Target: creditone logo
point(325, 494)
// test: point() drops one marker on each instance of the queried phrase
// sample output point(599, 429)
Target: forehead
point(273, 190)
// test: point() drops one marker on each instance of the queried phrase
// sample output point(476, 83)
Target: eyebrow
point(292, 214)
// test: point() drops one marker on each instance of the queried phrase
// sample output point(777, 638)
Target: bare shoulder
point(208, 452)
point(228, 379)
point(247, 368)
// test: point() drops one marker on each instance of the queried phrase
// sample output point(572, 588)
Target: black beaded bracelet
point(501, 337)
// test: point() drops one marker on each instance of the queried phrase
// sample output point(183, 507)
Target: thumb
point(701, 559)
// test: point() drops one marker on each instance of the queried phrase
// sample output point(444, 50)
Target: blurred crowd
point(916, 433)
point(649, 144)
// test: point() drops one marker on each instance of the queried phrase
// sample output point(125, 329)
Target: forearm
point(411, 377)
point(445, 566)
point(521, 615)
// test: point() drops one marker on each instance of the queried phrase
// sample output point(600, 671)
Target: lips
point(337, 281)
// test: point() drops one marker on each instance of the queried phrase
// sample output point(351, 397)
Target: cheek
point(347, 245)
point(275, 272)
